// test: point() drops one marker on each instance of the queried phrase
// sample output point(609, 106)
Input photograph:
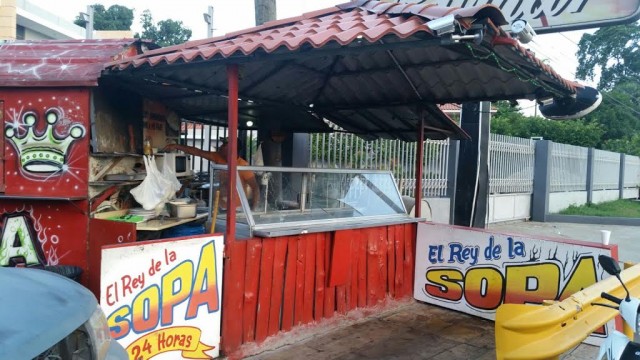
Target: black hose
point(611, 298)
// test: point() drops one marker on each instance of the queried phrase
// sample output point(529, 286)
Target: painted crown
point(47, 152)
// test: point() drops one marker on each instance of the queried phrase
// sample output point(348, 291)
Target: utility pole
point(208, 18)
point(265, 11)
point(88, 18)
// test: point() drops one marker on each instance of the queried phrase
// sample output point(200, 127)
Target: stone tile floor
point(411, 330)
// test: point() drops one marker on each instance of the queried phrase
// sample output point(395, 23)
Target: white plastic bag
point(257, 159)
point(169, 174)
point(155, 189)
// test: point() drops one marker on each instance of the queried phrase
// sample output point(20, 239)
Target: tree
point(614, 51)
point(509, 121)
point(165, 33)
point(117, 17)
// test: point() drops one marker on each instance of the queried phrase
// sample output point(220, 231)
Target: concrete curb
point(603, 220)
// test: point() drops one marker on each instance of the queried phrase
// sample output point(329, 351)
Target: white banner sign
point(476, 271)
point(554, 16)
point(162, 299)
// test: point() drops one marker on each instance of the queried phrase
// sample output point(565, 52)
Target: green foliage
point(614, 51)
point(618, 112)
point(617, 208)
point(165, 32)
point(509, 121)
point(116, 17)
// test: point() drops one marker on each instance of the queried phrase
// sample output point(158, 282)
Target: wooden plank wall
point(275, 284)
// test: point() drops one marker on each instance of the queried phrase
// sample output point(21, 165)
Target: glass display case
point(305, 200)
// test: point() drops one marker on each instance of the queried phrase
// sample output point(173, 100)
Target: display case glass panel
point(300, 200)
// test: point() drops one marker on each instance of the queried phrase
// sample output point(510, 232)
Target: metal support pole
point(419, 164)
point(232, 152)
point(452, 175)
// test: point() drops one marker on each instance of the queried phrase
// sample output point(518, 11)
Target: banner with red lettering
point(475, 271)
point(162, 299)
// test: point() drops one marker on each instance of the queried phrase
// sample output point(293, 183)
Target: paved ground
point(410, 331)
point(413, 330)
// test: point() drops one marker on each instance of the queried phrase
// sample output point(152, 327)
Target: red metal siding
point(274, 284)
point(105, 232)
point(46, 135)
point(57, 230)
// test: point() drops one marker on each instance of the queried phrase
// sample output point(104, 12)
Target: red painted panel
point(290, 277)
point(105, 232)
point(375, 282)
point(352, 291)
point(266, 287)
point(362, 269)
point(57, 230)
point(391, 261)
point(298, 313)
point(278, 285)
point(409, 250)
point(340, 271)
point(309, 278)
point(232, 295)
point(329, 306)
point(382, 261)
point(47, 142)
point(251, 282)
point(399, 250)
point(341, 299)
point(320, 276)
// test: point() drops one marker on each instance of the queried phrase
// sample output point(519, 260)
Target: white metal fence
point(340, 150)
point(568, 168)
point(511, 162)
point(631, 171)
point(606, 170)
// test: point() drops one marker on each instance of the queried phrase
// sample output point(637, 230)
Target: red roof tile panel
point(342, 24)
point(60, 62)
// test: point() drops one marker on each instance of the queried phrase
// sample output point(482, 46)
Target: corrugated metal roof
point(366, 66)
point(60, 62)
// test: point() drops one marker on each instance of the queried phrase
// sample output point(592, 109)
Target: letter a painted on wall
point(18, 245)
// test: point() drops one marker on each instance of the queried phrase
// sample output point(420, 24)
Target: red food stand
point(373, 68)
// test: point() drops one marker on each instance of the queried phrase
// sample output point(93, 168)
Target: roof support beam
point(404, 73)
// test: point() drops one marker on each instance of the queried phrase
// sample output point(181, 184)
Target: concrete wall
point(630, 193)
point(507, 207)
point(600, 196)
point(562, 200)
point(440, 210)
point(8, 19)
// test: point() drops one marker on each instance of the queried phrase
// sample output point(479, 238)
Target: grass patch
point(617, 208)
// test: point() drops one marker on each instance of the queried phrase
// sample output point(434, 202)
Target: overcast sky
point(231, 15)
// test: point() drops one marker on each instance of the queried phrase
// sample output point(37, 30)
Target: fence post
point(590, 168)
point(541, 181)
point(623, 162)
point(452, 174)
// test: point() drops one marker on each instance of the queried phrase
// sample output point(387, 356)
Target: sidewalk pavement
point(414, 330)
